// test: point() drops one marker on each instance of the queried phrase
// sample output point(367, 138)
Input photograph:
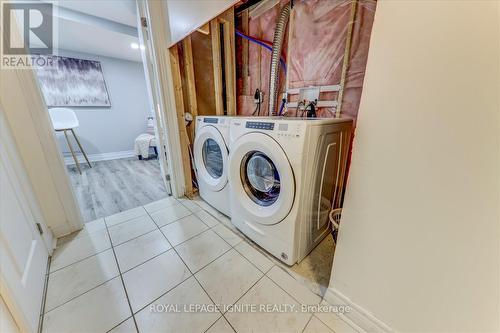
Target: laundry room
point(301, 65)
point(298, 166)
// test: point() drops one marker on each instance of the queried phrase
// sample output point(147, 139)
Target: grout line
point(163, 294)
point(118, 324)
point(153, 257)
point(87, 291)
point(244, 239)
point(96, 286)
point(79, 260)
point(121, 278)
point(192, 272)
point(126, 220)
point(265, 274)
point(173, 287)
point(308, 321)
point(133, 238)
point(187, 239)
point(194, 276)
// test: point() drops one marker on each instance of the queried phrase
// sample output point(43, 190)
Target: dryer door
point(261, 178)
point(210, 157)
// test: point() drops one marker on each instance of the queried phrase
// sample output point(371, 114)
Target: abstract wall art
point(71, 82)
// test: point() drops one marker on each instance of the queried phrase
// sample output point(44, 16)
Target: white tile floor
point(162, 267)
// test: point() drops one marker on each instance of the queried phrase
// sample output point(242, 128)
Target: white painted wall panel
point(187, 16)
point(419, 239)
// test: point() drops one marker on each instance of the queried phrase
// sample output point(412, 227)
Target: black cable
point(256, 96)
point(312, 109)
point(256, 107)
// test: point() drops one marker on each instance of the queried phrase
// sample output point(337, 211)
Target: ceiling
point(122, 11)
point(99, 27)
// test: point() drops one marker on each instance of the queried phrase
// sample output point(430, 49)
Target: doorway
point(114, 151)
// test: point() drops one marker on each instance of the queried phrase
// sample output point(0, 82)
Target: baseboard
point(99, 157)
point(358, 317)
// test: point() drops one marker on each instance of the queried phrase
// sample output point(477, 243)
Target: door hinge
point(39, 227)
point(144, 22)
point(168, 177)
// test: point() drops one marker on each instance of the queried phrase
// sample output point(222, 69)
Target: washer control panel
point(211, 120)
point(260, 125)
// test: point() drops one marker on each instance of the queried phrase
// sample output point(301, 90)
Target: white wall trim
point(68, 159)
point(359, 318)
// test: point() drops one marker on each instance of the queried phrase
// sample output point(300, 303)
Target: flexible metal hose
point(279, 35)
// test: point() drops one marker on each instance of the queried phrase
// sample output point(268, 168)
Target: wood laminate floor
point(113, 186)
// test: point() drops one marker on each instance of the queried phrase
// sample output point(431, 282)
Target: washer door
point(210, 157)
point(261, 178)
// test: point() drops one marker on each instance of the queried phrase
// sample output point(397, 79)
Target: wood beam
point(245, 47)
point(227, 20)
point(217, 63)
point(190, 83)
point(179, 103)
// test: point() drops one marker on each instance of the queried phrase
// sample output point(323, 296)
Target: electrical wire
point(256, 108)
point(265, 44)
point(281, 107)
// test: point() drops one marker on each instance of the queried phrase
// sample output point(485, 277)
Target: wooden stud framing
point(245, 54)
point(204, 29)
point(177, 83)
point(227, 19)
point(216, 55)
point(347, 54)
point(190, 82)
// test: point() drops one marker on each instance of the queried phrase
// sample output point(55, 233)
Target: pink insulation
point(316, 42)
point(259, 61)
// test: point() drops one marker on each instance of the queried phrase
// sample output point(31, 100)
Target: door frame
point(151, 85)
point(25, 111)
point(155, 14)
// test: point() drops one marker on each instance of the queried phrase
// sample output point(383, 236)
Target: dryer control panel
point(211, 120)
point(260, 125)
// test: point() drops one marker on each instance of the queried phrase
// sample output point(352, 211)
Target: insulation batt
point(314, 50)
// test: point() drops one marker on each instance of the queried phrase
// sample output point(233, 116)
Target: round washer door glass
point(260, 178)
point(212, 158)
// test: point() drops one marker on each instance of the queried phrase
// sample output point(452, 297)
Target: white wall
point(419, 241)
point(108, 130)
point(187, 16)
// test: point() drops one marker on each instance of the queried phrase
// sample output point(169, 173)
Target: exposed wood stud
point(190, 82)
point(217, 63)
point(230, 60)
point(179, 103)
point(244, 51)
point(347, 54)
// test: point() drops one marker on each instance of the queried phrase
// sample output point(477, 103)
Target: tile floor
point(162, 267)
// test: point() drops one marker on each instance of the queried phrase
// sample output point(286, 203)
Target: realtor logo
point(28, 31)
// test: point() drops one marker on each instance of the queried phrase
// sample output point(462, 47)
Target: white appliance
point(211, 160)
point(284, 174)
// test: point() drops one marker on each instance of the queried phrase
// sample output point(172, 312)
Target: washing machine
point(284, 175)
point(211, 160)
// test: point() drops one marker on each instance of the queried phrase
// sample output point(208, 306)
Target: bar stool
point(64, 120)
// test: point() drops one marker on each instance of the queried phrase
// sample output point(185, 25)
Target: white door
point(151, 82)
point(23, 253)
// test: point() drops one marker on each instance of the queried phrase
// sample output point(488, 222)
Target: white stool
point(64, 119)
